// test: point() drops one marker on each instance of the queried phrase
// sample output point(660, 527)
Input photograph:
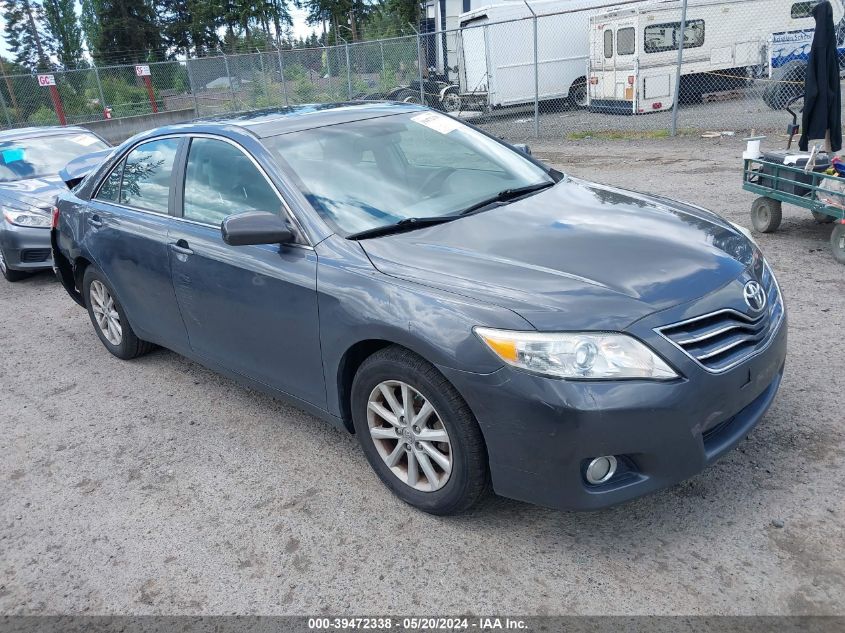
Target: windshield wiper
point(506, 195)
point(408, 224)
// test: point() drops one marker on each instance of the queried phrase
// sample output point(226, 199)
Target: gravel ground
point(156, 486)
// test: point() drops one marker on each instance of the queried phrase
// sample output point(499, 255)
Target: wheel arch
point(80, 265)
point(350, 361)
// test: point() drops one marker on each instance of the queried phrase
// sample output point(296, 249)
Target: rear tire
point(837, 243)
point(766, 215)
point(9, 274)
point(109, 319)
point(578, 95)
point(788, 83)
point(402, 458)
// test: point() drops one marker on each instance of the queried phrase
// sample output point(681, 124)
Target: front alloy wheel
point(418, 433)
point(409, 435)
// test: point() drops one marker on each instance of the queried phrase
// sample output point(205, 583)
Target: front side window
point(44, 156)
point(658, 38)
point(376, 172)
point(110, 189)
point(625, 41)
point(608, 43)
point(221, 181)
point(145, 183)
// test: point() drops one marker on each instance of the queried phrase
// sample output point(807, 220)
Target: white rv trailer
point(496, 56)
point(634, 49)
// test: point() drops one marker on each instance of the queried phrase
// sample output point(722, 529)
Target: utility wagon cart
point(820, 193)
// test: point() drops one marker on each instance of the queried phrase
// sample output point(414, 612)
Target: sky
point(300, 28)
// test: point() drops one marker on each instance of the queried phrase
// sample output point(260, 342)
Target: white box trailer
point(496, 51)
point(634, 49)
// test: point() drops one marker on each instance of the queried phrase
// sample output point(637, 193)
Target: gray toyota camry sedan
point(476, 318)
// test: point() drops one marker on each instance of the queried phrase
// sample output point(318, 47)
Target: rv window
point(608, 43)
point(664, 37)
point(625, 41)
point(802, 9)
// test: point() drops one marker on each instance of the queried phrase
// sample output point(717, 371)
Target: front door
point(250, 309)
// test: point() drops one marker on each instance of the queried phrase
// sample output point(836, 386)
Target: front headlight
point(32, 219)
point(576, 354)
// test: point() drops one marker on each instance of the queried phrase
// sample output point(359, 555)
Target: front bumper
point(25, 248)
point(541, 432)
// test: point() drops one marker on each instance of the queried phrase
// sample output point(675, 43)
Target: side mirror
point(255, 227)
point(522, 147)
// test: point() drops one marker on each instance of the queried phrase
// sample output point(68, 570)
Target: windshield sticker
point(12, 155)
point(85, 139)
point(436, 122)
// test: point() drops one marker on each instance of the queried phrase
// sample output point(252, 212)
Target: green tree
point(65, 32)
point(26, 33)
point(90, 23)
point(128, 31)
point(190, 26)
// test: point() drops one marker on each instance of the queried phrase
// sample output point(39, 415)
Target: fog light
point(601, 469)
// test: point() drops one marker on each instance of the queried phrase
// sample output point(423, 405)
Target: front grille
point(722, 339)
point(35, 255)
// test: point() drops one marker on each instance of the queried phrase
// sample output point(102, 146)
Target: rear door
point(125, 232)
point(250, 309)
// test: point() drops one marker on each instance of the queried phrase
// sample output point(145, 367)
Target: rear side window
point(145, 182)
point(666, 37)
point(221, 180)
point(608, 43)
point(802, 10)
point(625, 41)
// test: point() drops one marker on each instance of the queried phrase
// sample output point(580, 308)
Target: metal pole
point(536, 76)
point(5, 111)
point(348, 70)
point(192, 88)
point(329, 72)
point(264, 75)
point(381, 48)
point(99, 86)
point(282, 70)
point(674, 130)
point(419, 63)
point(231, 83)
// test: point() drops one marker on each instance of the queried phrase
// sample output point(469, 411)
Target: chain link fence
point(521, 71)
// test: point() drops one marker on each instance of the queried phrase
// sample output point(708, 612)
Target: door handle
point(181, 247)
point(95, 221)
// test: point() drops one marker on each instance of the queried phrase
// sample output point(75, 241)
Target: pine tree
point(26, 35)
point(128, 31)
point(65, 33)
point(90, 23)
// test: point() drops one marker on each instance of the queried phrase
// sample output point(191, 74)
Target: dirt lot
point(156, 486)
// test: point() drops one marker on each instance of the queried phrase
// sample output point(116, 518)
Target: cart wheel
point(822, 218)
point(766, 214)
point(837, 243)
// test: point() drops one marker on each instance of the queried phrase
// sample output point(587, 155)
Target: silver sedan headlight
point(584, 355)
point(33, 219)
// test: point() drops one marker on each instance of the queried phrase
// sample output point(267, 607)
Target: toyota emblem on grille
point(754, 295)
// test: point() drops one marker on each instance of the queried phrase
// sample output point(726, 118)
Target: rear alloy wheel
point(837, 243)
point(418, 433)
point(109, 319)
point(8, 273)
point(766, 214)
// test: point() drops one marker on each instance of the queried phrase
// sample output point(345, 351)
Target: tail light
point(594, 81)
point(55, 222)
point(656, 105)
point(630, 80)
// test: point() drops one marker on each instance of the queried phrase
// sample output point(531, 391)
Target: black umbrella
point(822, 96)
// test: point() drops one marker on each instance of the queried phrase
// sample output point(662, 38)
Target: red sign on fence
point(46, 80)
point(142, 71)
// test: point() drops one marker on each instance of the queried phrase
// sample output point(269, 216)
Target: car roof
point(272, 122)
point(35, 132)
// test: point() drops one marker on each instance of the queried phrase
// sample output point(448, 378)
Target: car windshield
point(22, 159)
point(373, 173)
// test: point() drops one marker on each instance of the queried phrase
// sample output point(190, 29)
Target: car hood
point(34, 192)
point(576, 255)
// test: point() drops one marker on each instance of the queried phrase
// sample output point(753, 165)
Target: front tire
point(109, 319)
point(9, 274)
point(766, 214)
point(837, 243)
point(418, 433)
